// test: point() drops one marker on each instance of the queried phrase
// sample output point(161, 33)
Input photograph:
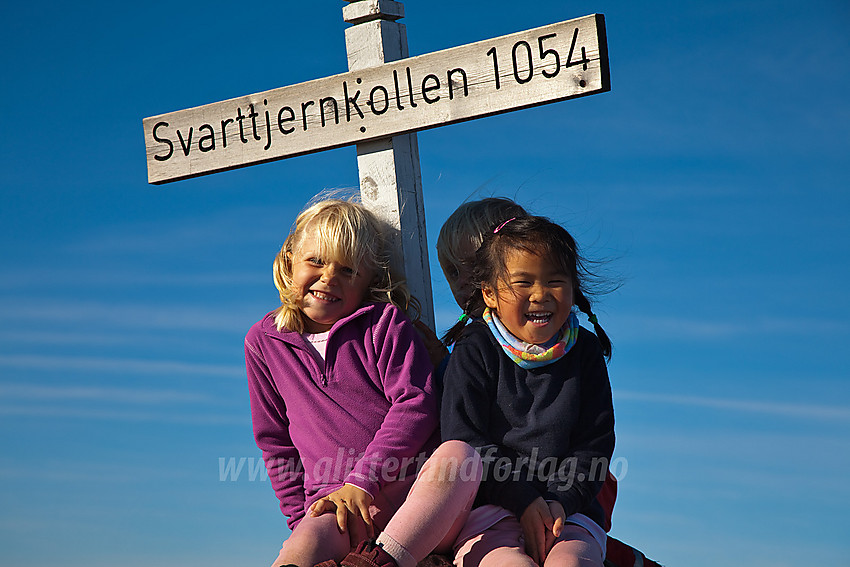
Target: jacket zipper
point(321, 365)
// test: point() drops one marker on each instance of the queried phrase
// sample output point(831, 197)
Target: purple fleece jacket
point(351, 418)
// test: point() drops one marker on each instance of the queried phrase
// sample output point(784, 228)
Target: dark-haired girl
point(528, 387)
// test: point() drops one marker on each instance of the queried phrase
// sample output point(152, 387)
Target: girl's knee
point(455, 460)
point(314, 540)
point(458, 449)
point(575, 548)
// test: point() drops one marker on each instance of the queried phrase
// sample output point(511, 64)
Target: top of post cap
point(359, 11)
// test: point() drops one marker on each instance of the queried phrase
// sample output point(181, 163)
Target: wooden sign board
point(529, 68)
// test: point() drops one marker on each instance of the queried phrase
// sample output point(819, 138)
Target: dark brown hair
point(544, 238)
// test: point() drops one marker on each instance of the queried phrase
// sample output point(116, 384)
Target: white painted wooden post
point(390, 179)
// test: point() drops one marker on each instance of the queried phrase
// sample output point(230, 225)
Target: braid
point(583, 304)
point(471, 306)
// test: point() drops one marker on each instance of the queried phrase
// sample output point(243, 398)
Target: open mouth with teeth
point(322, 296)
point(539, 317)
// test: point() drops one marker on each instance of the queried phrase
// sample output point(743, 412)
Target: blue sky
point(714, 177)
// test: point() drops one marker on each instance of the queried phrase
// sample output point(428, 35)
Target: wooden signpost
point(379, 104)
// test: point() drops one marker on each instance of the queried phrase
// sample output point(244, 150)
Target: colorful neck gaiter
point(528, 355)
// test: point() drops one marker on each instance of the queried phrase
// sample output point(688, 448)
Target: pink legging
point(501, 545)
point(428, 519)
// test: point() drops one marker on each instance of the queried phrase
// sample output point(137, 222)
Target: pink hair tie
point(501, 226)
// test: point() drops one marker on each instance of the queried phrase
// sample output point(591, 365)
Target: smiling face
point(535, 298)
point(329, 289)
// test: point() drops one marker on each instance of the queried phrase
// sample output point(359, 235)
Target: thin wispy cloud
point(26, 392)
point(219, 228)
point(62, 413)
point(59, 338)
point(781, 409)
point(682, 328)
point(77, 339)
point(90, 471)
point(26, 279)
point(137, 316)
point(120, 365)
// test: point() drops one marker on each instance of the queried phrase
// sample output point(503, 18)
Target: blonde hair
point(346, 232)
point(469, 223)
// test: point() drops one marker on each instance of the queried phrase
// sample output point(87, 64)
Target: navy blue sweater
point(545, 432)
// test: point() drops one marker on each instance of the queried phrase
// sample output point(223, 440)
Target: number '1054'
point(522, 51)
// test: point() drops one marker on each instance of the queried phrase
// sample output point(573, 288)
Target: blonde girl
point(343, 406)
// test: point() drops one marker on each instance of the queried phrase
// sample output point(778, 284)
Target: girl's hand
point(347, 499)
point(557, 511)
point(538, 527)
